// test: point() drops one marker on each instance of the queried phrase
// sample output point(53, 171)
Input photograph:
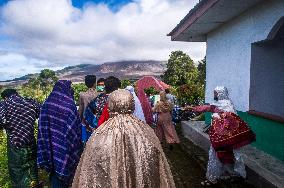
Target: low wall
point(263, 170)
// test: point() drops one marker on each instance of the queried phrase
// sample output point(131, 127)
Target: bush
point(39, 87)
point(125, 83)
point(192, 94)
point(187, 79)
point(78, 88)
point(151, 91)
point(5, 181)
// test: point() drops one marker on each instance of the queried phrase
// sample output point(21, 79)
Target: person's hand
point(190, 108)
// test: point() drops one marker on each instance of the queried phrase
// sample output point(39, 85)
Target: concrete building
point(245, 53)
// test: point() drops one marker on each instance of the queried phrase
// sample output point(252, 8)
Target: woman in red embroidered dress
point(228, 133)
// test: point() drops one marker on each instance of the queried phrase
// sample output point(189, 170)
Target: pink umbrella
point(147, 82)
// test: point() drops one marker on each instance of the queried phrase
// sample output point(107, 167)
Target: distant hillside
point(121, 69)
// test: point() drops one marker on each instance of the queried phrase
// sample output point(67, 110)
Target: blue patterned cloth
point(59, 133)
point(93, 113)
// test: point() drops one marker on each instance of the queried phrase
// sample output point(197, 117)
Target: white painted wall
point(229, 51)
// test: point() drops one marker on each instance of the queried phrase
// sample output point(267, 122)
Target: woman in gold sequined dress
point(123, 152)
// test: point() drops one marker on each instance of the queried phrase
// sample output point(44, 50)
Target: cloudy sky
point(37, 34)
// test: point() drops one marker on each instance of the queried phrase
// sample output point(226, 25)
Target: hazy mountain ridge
point(121, 69)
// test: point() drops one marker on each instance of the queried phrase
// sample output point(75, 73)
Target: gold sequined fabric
point(124, 152)
point(121, 102)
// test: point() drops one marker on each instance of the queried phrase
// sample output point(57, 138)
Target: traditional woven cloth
point(163, 105)
point(230, 132)
point(94, 110)
point(59, 133)
point(146, 106)
point(17, 116)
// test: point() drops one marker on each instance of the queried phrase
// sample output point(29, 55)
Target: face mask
point(100, 88)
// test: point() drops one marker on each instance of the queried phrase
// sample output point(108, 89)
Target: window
point(267, 73)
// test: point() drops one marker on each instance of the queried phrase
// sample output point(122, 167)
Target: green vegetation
point(4, 177)
point(151, 91)
point(128, 82)
point(47, 79)
point(39, 87)
point(187, 79)
point(125, 83)
point(78, 88)
point(1, 89)
point(180, 69)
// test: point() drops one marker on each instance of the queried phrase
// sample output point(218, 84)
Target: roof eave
point(207, 16)
point(190, 18)
point(189, 38)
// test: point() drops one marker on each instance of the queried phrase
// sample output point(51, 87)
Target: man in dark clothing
point(17, 117)
point(84, 99)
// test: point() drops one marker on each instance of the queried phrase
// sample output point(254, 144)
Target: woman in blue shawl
point(59, 135)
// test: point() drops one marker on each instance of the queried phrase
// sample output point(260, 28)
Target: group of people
point(107, 141)
point(104, 143)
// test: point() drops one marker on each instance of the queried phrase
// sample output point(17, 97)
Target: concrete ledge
point(263, 170)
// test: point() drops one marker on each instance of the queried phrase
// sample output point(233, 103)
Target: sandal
point(208, 183)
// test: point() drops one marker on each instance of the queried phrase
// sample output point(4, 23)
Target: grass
point(4, 173)
point(4, 178)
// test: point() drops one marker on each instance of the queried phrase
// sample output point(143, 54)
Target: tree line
point(186, 78)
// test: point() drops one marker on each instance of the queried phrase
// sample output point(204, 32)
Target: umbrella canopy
point(144, 83)
point(151, 81)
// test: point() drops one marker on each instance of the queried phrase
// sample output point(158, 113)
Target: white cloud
point(13, 65)
point(54, 31)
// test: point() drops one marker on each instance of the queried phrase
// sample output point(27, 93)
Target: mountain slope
point(121, 69)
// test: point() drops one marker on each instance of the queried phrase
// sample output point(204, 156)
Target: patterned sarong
point(230, 132)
